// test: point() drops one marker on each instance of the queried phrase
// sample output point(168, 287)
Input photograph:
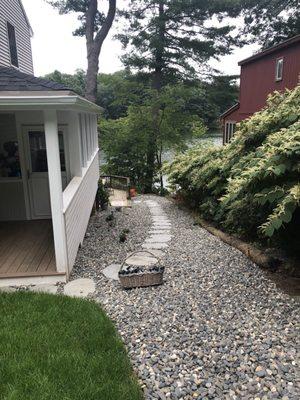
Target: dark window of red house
point(12, 45)
point(279, 69)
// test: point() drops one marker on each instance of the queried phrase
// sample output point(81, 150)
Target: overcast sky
point(54, 46)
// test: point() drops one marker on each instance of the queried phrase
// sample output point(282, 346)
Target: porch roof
point(11, 79)
point(19, 91)
point(41, 101)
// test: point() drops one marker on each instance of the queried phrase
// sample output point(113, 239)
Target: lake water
point(215, 139)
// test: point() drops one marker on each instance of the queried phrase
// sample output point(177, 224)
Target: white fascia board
point(43, 102)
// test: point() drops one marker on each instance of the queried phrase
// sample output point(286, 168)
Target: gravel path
point(216, 329)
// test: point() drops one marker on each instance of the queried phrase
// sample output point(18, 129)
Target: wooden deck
point(26, 248)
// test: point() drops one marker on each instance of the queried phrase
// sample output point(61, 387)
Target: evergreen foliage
point(252, 185)
point(269, 22)
point(121, 89)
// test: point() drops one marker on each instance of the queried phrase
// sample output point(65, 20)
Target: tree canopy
point(269, 22)
point(176, 37)
point(168, 85)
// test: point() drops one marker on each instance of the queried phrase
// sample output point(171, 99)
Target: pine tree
point(269, 22)
point(174, 39)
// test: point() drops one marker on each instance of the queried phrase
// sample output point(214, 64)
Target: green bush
point(250, 186)
point(102, 196)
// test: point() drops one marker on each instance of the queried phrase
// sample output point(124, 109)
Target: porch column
point(56, 192)
point(74, 143)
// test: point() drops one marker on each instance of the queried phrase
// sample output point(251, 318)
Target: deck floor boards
point(26, 247)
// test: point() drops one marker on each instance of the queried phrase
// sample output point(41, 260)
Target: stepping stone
point(80, 287)
point(141, 260)
point(157, 253)
point(154, 246)
point(160, 231)
point(158, 238)
point(43, 288)
point(160, 225)
point(161, 219)
point(112, 271)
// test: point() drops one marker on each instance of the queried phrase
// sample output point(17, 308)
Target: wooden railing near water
point(116, 182)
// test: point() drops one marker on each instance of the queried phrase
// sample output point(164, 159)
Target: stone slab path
point(218, 328)
point(157, 241)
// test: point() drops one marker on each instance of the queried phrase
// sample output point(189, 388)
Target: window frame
point(230, 127)
point(12, 47)
point(277, 77)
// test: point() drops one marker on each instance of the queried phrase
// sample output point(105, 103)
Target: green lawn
point(55, 347)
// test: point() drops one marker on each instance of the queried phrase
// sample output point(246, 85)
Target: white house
point(48, 163)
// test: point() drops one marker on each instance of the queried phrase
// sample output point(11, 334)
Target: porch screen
point(9, 147)
point(38, 154)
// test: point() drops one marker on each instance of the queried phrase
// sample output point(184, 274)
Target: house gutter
point(65, 102)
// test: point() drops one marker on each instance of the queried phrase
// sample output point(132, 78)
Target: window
point(83, 140)
point(12, 45)
point(279, 69)
point(38, 153)
point(229, 131)
point(88, 136)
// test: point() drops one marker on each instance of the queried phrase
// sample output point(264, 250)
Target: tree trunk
point(157, 81)
point(94, 45)
point(159, 160)
point(91, 78)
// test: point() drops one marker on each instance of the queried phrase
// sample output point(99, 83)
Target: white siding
point(78, 211)
point(11, 11)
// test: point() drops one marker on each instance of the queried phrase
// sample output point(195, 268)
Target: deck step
point(32, 278)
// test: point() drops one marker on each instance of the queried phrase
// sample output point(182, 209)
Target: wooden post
point(55, 186)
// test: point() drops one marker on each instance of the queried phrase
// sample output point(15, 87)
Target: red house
point(275, 68)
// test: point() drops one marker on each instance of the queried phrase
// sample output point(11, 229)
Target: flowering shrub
point(252, 185)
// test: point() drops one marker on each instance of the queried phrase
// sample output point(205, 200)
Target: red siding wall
point(258, 81)
point(258, 78)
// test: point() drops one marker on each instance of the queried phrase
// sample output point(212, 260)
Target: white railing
point(78, 199)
